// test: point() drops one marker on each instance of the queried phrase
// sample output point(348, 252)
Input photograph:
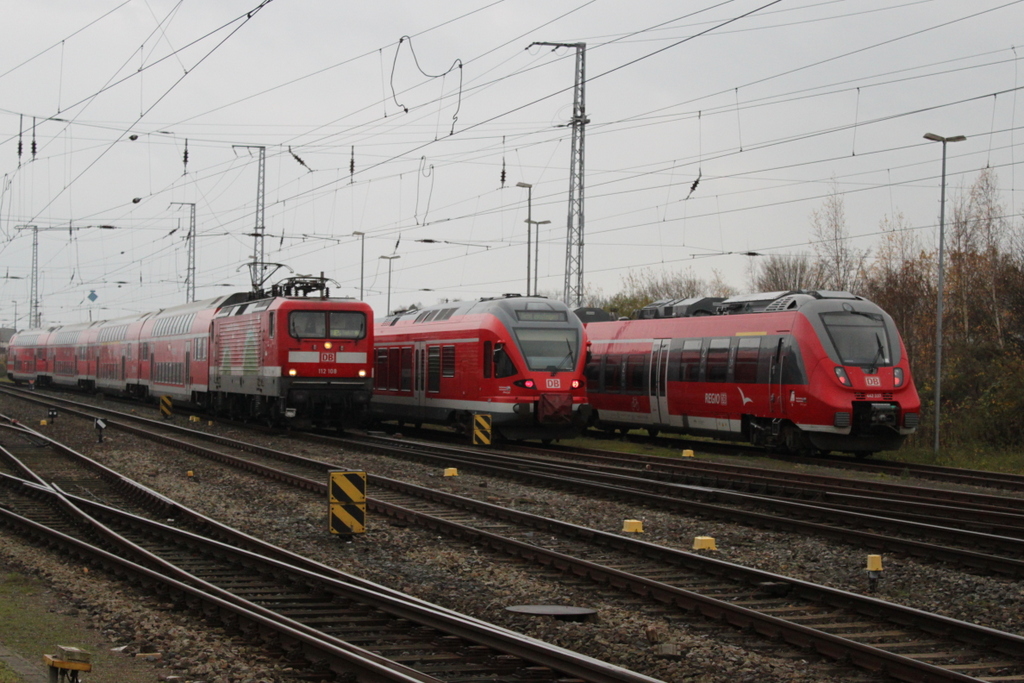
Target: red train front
point(795, 371)
point(516, 359)
point(292, 359)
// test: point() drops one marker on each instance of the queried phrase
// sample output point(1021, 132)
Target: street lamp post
point(529, 224)
point(362, 259)
point(15, 315)
point(390, 258)
point(938, 307)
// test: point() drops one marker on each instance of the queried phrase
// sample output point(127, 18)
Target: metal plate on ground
point(563, 612)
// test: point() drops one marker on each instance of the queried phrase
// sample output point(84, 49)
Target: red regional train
point(517, 359)
point(279, 358)
point(800, 372)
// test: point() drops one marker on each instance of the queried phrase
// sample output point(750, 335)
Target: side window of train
point(434, 369)
point(448, 360)
point(747, 353)
point(689, 361)
point(381, 369)
point(144, 353)
point(718, 360)
point(272, 319)
point(613, 374)
point(406, 369)
point(488, 359)
point(592, 372)
point(394, 368)
point(503, 365)
point(636, 373)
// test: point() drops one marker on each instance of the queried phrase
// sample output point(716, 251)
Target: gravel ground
point(483, 585)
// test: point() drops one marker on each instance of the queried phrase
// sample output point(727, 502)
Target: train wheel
point(795, 442)
point(652, 432)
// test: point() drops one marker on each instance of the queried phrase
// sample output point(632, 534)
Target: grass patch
point(971, 457)
point(8, 676)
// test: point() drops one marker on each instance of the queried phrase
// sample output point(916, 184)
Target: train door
point(776, 404)
point(419, 384)
point(659, 381)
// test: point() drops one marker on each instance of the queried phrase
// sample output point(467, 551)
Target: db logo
point(553, 383)
point(873, 381)
point(326, 357)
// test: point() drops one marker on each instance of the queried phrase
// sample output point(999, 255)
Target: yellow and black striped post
point(347, 500)
point(165, 406)
point(482, 430)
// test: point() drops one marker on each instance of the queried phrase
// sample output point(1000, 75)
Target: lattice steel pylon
point(190, 276)
point(573, 291)
point(258, 267)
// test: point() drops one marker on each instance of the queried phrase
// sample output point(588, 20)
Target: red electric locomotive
point(278, 358)
point(517, 359)
point(801, 372)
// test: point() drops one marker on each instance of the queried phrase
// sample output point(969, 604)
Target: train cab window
point(307, 324)
point(859, 338)
point(503, 365)
point(613, 374)
point(549, 348)
point(718, 360)
point(347, 324)
point(448, 360)
point(272, 319)
point(747, 354)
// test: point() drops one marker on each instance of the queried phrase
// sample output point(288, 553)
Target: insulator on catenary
point(503, 172)
point(184, 157)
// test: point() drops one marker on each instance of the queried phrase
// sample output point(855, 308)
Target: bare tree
point(777, 272)
point(839, 266)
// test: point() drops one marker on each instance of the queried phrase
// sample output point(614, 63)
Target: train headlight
point(843, 378)
point(362, 373)
point(292, 372)
point(897, 377)
point(576, 384)
point(328, 345)
point(525, 383)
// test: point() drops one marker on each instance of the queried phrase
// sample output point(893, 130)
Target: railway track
point(920, 533)
point(357, 626)
point(908, 644)
point(954, 475)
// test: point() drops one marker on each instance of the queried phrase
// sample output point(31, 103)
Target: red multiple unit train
point(517, 359)
point(802, 372)
point(279, 358)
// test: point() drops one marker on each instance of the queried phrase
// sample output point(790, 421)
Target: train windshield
point(860, 338)
point(327, 324)
point(549, 349)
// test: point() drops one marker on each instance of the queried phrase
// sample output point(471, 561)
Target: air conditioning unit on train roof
point(770, 302)
point(680, 308)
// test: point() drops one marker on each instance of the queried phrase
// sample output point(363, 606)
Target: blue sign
point(92, 295)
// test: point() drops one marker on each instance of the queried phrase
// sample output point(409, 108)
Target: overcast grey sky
point(771, 104)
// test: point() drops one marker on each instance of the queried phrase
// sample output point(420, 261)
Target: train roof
point(760, 302)
point(510, 305)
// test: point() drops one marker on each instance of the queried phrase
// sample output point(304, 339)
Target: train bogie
point(516, 360)
point(801, 372)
